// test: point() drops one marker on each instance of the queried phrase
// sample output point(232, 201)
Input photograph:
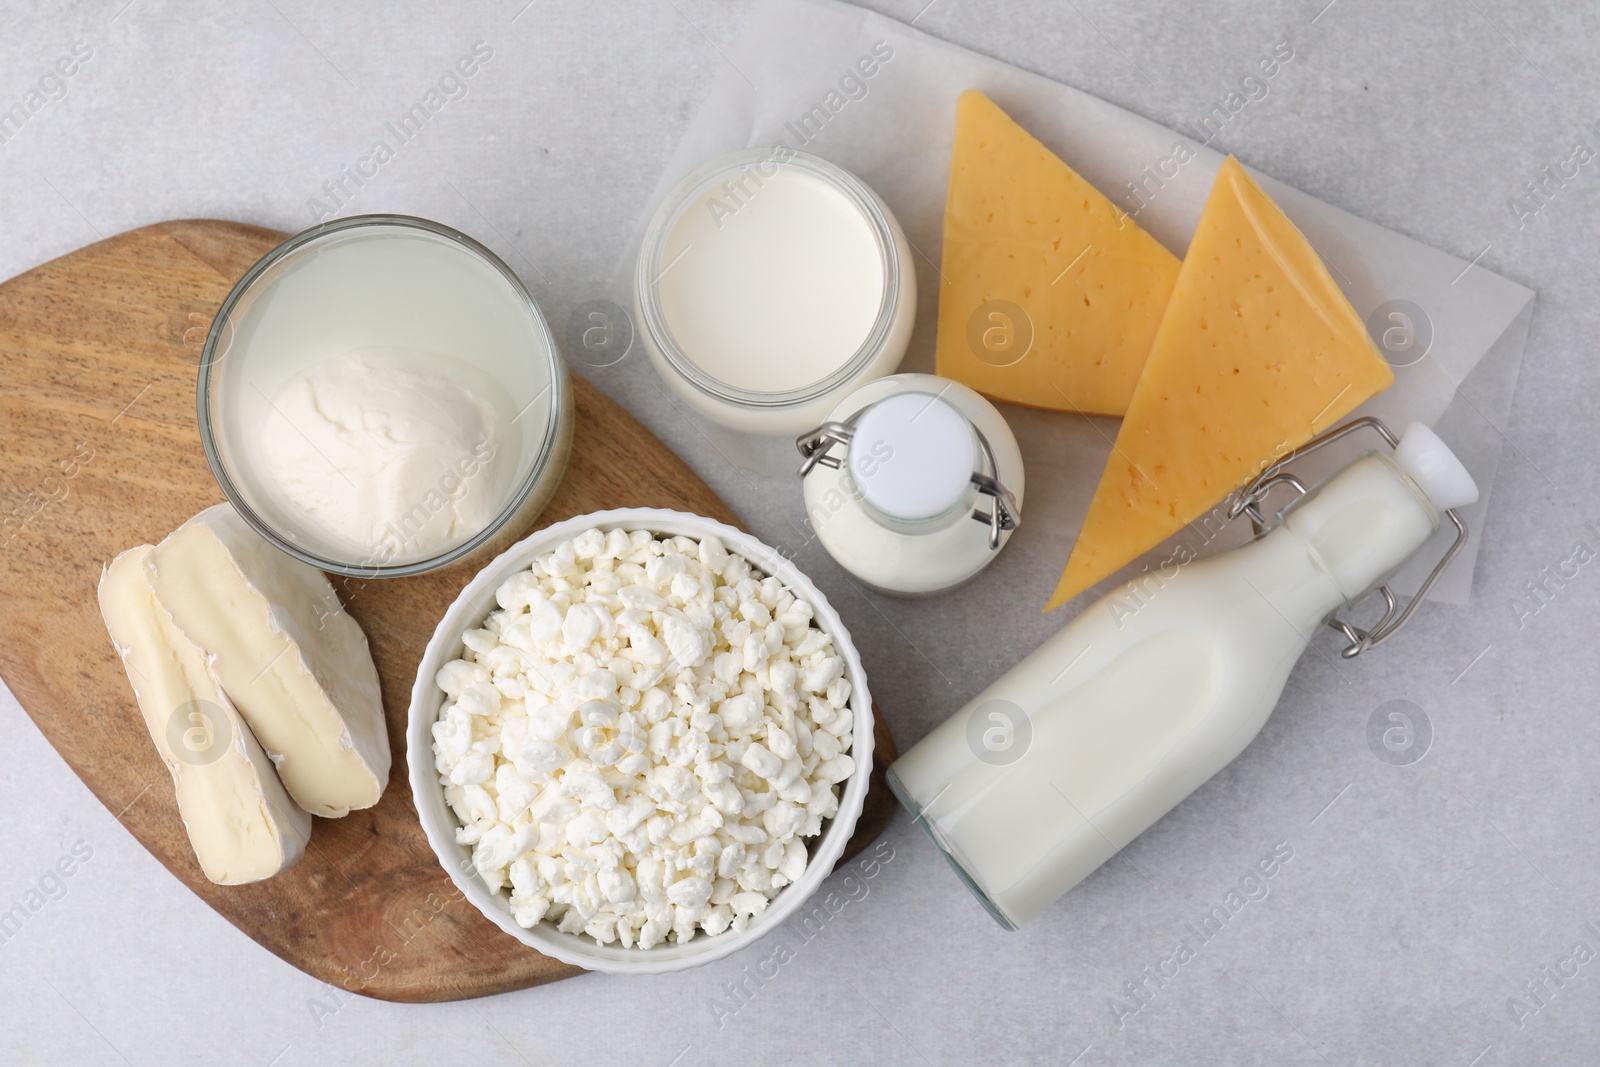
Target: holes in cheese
point(1257, 353)
point(1050, 294)
point(241, 823)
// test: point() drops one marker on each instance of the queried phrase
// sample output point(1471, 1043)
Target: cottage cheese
point(641, 739)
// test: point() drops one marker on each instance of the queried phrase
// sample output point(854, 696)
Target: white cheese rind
point(294, 662)
point(241, 823)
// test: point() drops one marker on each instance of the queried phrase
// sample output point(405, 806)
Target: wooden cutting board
point(98, 356)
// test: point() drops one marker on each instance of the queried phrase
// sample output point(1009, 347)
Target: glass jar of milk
point(769, 284)
point(895, 477)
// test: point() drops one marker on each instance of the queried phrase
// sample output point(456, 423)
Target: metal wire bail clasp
point(1002, 516)
point(815, 445)
point(1247, 501)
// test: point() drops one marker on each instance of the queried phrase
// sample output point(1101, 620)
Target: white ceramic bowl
point(440, 823)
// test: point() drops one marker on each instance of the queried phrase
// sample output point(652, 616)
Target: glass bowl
point(399, 284)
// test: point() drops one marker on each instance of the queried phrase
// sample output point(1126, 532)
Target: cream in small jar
point(770, 284)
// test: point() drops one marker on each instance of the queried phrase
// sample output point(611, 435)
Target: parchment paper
point(796, 76)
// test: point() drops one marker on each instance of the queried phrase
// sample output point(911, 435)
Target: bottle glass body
point(1142, 698)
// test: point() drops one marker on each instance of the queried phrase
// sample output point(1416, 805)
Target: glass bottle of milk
point(893, 478)
point(1117, 718)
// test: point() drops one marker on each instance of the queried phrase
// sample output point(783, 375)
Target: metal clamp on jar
point(895, 477)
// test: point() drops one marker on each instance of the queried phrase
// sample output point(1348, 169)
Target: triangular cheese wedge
point(1258, 352)
point(1025, 233)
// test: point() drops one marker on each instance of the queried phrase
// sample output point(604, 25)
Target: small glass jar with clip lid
point(897, 476)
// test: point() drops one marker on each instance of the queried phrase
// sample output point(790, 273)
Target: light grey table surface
point(1431, 913)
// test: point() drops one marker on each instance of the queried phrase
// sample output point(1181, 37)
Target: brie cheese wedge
point(295, 664)
point(240, 820)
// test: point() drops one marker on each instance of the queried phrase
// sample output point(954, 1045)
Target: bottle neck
point(1361, 525)
point(957, 512)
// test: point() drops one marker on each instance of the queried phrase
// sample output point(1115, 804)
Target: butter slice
point(241, 823)
point(293, 661)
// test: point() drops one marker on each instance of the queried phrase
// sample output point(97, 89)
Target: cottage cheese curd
point(641, 739)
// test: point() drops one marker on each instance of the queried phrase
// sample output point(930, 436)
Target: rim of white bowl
point(439, 823)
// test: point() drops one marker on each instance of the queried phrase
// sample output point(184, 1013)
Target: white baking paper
point(796, 77)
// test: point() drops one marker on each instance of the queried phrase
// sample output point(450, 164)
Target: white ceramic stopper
point(912, 456)
point(1435, 468)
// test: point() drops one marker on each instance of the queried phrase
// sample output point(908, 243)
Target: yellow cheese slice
point(1258, 352)
point(1050, 294)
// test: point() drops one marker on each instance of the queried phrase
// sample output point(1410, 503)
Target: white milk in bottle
point(1117, 718)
